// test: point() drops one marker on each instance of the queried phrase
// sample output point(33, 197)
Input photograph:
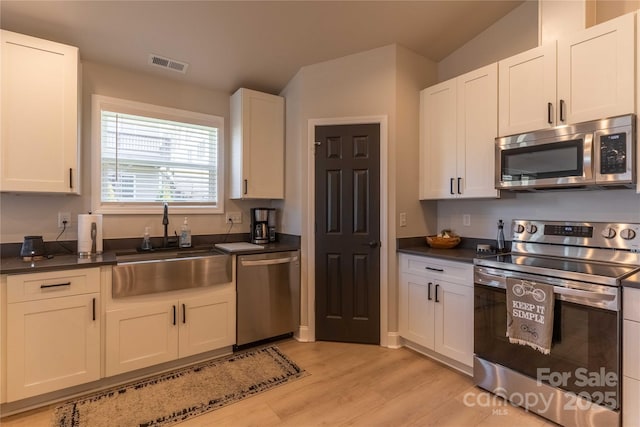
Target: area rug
point(173, 397)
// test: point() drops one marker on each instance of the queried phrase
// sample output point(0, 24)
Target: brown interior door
point(347, 261)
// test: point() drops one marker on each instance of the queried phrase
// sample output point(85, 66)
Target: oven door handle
point(587, 297)
point(600, 296)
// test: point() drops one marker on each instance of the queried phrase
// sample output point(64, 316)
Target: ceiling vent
point(171, 64)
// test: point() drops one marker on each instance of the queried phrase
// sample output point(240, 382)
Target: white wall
point(26, 214)
point(414, 73)
point(596, 205)
point(514, 33)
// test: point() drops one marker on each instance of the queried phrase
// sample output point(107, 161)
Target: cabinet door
point(631, 349)
point(39, 141)
point(527, 91)
point(477, 130)
point(630, 407)
point(257, 149)
point(596, 71)
point(416, 309)
point(438, 141)
point(207, 323)
point(454, 321)
point(52, 344)
point(141, 336)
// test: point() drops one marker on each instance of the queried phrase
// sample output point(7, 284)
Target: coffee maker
point(263, 225)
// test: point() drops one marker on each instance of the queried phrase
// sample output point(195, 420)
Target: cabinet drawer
point(631, 304)
point(52, 284)
point(631, 349)
point(434, 267)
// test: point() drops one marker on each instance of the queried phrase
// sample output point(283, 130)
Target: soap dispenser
point(185, 234)
point(146, 240)
point(500, 238)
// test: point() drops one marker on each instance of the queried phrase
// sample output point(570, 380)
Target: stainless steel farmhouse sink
point(164, 271)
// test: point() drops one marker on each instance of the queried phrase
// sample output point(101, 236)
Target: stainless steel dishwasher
point(268, 296)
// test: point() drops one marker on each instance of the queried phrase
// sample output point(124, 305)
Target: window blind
point(146, 159)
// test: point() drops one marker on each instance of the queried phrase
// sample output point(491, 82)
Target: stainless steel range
point(579, 381)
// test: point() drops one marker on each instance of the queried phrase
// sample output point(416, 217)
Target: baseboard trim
point(393, 340)
point(303, 334)
point(467, 370)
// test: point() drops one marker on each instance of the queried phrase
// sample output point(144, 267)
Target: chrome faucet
point(165, 222)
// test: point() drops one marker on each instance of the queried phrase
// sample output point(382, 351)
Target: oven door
point(584, 356)
point(563, 161)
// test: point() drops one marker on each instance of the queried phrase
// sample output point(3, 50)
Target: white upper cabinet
point(438, 145)
point(257, 145)
point(39, 139)
point(527, 90)
point(586, 76)
point(596, 72)
point(458, 127)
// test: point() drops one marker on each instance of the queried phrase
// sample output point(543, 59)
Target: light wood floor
point(359, 385)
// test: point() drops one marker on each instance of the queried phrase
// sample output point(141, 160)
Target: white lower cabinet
point(53, 331)
point(436, 306)
point(631, 358)
point(146, 331)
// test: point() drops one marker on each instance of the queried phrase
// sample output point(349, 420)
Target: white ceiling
point(256, 44)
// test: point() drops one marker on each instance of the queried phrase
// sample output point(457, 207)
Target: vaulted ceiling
point(257, 44)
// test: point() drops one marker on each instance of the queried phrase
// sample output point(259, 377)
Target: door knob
point(372, 244)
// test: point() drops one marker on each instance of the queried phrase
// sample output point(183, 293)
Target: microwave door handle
point(588, 158)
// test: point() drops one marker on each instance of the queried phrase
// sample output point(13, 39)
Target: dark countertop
point(455, 254)
point(632, 281)
point(15, 265)
point(465, 252)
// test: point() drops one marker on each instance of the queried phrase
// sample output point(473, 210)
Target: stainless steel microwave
point(594, 154)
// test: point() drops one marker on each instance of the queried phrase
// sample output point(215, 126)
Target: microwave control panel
point(613, 153)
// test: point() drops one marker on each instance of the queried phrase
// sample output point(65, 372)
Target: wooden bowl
point(443, 242)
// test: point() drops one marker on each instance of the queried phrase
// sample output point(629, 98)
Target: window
point(146, 155)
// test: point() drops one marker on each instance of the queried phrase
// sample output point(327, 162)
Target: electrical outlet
point(403, 219)
point(466, 220)
point(62, 217)
point(236, 217)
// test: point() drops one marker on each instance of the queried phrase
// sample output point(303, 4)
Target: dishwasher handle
point(248, 263)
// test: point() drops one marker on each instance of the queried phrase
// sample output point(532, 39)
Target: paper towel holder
point(94, 249)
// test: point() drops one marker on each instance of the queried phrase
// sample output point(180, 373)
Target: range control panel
point(589, 234)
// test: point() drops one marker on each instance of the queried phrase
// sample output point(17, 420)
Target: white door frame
point(384, 229)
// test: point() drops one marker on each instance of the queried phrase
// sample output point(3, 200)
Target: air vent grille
point(171, 64)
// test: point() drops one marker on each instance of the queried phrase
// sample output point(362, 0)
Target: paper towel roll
point(84, 234)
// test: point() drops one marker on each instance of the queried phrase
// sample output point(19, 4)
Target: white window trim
point(99, 103)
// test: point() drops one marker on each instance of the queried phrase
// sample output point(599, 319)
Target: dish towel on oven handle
point(530, 314)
